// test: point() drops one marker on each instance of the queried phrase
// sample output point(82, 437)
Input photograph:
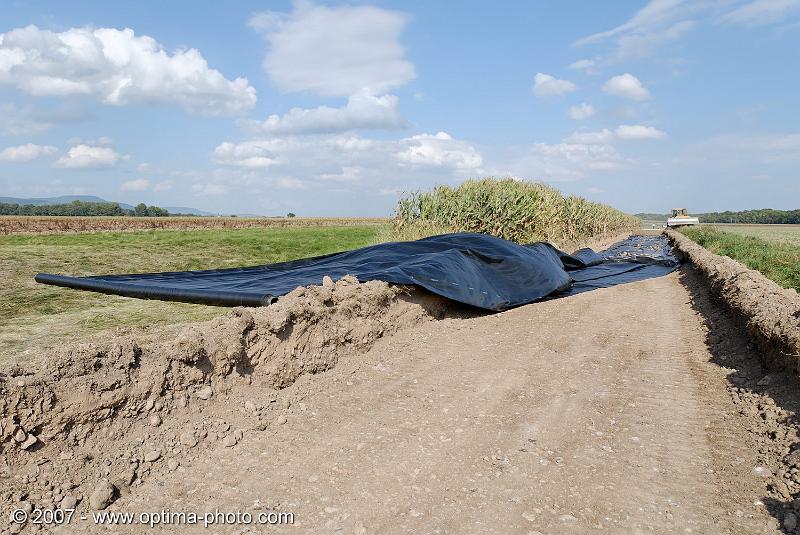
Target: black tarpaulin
point(475, 269)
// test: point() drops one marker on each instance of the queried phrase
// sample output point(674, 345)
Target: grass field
point(774, 250)
point(33, 315)
point(771, 233)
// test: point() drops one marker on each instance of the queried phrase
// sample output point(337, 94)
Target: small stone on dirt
point(69, 502)
point(155, 420)
point(29, 442)
point(20, 435)
point(188, 439)
point(152, 456)
point(761, 471)
point(173, 464)
point(204, 392)
point(103, 495)
point(327, 282)
point(281, 419)
point(249, 406)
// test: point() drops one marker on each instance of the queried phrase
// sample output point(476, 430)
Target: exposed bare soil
point(642, 408)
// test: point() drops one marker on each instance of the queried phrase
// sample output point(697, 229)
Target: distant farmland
point(62, 224)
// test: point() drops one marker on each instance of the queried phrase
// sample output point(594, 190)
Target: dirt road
point(599, 413)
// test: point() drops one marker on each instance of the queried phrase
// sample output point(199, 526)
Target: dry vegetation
point(62, 224)
point(519, 211)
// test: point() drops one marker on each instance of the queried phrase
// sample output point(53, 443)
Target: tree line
point(751, 217)
point(82, 208)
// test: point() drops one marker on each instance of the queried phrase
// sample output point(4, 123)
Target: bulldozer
point(680, 218)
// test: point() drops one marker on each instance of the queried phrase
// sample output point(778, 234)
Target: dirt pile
point(92, 420)
point(771, 313)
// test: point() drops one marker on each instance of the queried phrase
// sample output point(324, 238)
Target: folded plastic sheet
point(474, 269)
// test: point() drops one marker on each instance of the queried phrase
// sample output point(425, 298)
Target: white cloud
point(760, 12)
point(143, 167)
point(626, 86)
point(562, 162)
point(658, 22)
point(26, 153)
point(164, 185)
point(623, 132)
point(117, 68)
point(15, 122)
point(545, 85)
point(581, 111)
point(347, 174)
point(439, 150)
point(88, 157)
point(582, 64)
point(209, 189)
point(139, 184)
point(335, 51)
point(638, 131)
point(253, 154)
point(603, 136)
point(362, 111)
point(289, 182)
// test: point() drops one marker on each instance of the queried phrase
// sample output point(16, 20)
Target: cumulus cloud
point(638, 131)
point(252, 154)
point(545, 85)
point(334, 51)
point(89, 157)
point(627, 86)
point(118, 68)
point(139, 184)
point(26, 153)
point(581, 111)
point(759, 12)
point(362, 111)
point(439, 149)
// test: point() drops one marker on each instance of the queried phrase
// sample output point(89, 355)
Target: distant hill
point(186, 210)
point(63, 199)
point(66, 199)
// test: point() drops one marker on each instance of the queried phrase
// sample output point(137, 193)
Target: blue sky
point(337, 108)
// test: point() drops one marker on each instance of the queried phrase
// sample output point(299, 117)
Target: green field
point(771, 233)
point(33, 316)
point(774, 250)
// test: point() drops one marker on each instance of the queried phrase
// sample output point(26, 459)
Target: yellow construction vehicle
point(681, 218)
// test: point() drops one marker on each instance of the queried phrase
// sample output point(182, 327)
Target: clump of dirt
point(88, 422)
point(770, 313)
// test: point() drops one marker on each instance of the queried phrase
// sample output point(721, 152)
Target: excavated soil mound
point(90, 421)
point(771, 313)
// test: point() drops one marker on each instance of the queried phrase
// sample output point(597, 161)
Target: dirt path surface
point(599, 413)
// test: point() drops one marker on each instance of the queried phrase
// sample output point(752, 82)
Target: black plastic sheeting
point(475, 269)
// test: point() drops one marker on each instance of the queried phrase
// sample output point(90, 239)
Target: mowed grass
point(777, 257)
point(771, 233)
point(34, 316)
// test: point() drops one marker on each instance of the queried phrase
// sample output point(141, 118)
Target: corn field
point(522, 212)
